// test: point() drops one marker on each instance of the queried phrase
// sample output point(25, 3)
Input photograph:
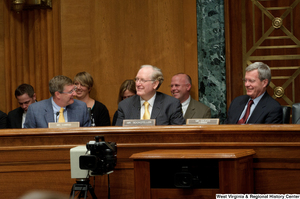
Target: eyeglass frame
point(71, 91)
point(143, 81)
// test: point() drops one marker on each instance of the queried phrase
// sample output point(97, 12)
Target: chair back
point(296, 113)
point(286, 114)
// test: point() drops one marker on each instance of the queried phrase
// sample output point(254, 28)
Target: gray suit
point(197, 110)
point(166, 110)
point(39, 114)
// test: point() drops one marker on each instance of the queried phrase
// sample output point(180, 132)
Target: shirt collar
point(150, 101)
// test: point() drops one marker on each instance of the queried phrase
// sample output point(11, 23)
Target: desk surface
point(194, 154)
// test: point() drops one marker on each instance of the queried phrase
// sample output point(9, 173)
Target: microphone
point(57, 114)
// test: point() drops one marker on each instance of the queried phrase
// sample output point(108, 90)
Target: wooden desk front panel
point(39, 158)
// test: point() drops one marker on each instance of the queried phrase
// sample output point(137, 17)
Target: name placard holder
point(137, 122)
point(203, 121)
point(63, 124)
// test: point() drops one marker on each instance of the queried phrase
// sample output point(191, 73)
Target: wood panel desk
point(39, 158)
point(198, 173)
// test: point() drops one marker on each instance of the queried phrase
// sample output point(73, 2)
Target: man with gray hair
point(148, 103)
point(61, 107)
point(257, 107)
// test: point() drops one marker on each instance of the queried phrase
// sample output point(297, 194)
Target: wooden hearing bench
point(33, 159)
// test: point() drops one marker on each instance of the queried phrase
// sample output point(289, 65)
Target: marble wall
point(211, 56)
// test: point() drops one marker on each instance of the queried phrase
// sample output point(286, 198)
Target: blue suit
point(267, 111)
point(39, 114)
point(166, 110)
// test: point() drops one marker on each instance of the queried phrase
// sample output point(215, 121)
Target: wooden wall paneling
point(3, 56)
point(251, 36)
point(233, 45)
point(112, 39)
point(190, 45)
point(32, 50)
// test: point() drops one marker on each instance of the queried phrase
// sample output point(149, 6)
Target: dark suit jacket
point(166, 110)
point(3, 120)
point(267, 111)
point(14, 118)
point(39, 114)
point(197, 110)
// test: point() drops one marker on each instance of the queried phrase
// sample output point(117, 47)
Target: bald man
point(181, 85)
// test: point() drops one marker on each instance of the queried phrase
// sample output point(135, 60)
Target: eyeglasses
point(249, 80)
point(142, 80)
point(71, 91)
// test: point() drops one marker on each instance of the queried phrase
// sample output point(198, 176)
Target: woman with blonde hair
point(99, 113)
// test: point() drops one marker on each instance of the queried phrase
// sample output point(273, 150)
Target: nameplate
point(136, 122)
point(63, 124)
point(202, 121)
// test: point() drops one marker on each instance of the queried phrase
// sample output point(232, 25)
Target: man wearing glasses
point(257, 107)
point(61, 107)
point(148, 103)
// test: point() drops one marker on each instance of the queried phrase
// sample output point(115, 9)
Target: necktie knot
point(61, 117)
point(147, 113)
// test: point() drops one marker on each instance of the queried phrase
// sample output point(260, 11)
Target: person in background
point(127, 89)
point(181, 85)
point(43, 195)
point(25, 95)
point(3, 120)
point(148, 103)
point(257, 107)
point(60, 107)
point(99, 113)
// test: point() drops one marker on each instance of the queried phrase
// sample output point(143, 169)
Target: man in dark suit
point(181, 85)
point(148, 103)
point(61, 107)
point(25, 95)
point(257, 107)
point(3, 120)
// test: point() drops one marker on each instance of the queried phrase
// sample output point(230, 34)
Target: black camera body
point(102, 157)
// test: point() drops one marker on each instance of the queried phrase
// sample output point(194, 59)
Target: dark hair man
point(25, 95)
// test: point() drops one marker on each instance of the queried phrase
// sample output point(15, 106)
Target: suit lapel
point(190, 112)
point(48, 111)
point(19, 117)
point(136, 107)
point(240, 108)
point(157, 105)
point(259, 109)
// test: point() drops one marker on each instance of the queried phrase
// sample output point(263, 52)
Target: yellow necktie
point(146, 114)
point(61, 117)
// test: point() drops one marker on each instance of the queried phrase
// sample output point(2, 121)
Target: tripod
point(82, 186)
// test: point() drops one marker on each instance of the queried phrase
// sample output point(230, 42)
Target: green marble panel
point(211, 56)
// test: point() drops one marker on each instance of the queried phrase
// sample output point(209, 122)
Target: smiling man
point(25, 95)
point(148, 103)
point(257, 107)
point(181, 85)
point(61, 107)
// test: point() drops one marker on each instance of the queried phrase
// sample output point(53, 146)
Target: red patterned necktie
point(244, 119)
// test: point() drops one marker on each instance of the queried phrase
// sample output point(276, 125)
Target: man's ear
point(57, 95)
point(34, 97)
point(265, 83)
point(155, 84)
point(189, 86)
